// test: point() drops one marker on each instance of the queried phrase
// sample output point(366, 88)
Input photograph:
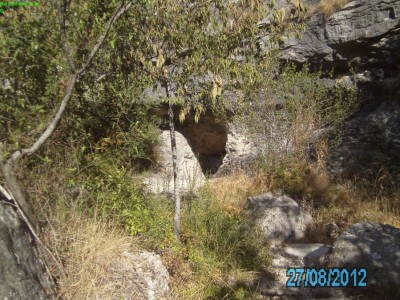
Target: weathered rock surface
point(139, 276)
point(208, 139)
point(300, 256)
point(365, 33)
point(375, 247)
point(370, 144)
point(22, 274)
point(240, 152)
point(281, 219)
point(190, 175)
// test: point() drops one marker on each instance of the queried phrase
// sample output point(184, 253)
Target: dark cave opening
point(207, 139)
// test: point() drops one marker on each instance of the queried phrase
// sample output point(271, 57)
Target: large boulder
point(139, 276)
point(296, 256)
point(281, 219)
point(190, 175)
point(22, 273)
point(375, 247)
point(370, 144)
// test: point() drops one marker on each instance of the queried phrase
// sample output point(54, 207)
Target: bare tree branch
point(14, 187)
point(63, 31)
point(51, 127)
point(122, 8)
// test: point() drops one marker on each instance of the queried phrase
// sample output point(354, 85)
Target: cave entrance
point(208, 140)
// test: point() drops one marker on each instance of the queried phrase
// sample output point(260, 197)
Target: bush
point(112, 193)
point(293, 108)
point(221, 245)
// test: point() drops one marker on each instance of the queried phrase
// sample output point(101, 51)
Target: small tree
point(205, 41)
point(30, 84)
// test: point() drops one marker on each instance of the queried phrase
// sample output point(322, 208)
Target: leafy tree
point(44, 55)
point(194, 50)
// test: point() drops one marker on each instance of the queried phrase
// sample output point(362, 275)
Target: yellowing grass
point(88, 248)
point(328, 7)
point(233, 190)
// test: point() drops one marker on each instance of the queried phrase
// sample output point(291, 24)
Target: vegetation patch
point(328, 7)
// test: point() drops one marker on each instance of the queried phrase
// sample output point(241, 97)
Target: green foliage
point(113, 194)
point(30, 72)
point(189, 42)
point(220, 243)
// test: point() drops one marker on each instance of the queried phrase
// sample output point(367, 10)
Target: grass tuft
point(328, 7)
point(88, 248)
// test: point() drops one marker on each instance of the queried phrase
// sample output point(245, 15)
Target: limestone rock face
point(240, 152)
point(370, 144)
point(375, 247)
point(22, 274)
point(142, 276)
point(281, 219)
point(364, 33)
point(207, 139)
point(299, 256)
point(190, 175)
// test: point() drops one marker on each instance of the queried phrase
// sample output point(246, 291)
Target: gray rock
point(365, 33)
point(190, 175)
point(375, 247)
point(312, 255)
point(281, 219)
point(207, 138)
point(143, 275)
point(273, 284)
point(370, 144)
point(22, 273)
point(240, 152)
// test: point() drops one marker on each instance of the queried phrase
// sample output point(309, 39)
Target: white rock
point(281, 219)
point(190, 175)
point(139, 276)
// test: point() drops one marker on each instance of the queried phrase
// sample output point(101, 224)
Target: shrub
point(295, 108)
point(221, 245)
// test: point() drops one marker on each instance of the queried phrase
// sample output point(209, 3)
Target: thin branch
point(64, 40)
point(6, 193)
point(51, 127)
point(117, 14)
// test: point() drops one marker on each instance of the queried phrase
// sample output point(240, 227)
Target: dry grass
point(88, 249)
point(344, 203)
point(328, 7)
point(233, 190)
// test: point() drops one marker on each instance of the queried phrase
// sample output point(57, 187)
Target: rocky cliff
point(361, 44)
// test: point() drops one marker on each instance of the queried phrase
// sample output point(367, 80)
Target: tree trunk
point(176, 193)
point(15, 188)
point(23, 274)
